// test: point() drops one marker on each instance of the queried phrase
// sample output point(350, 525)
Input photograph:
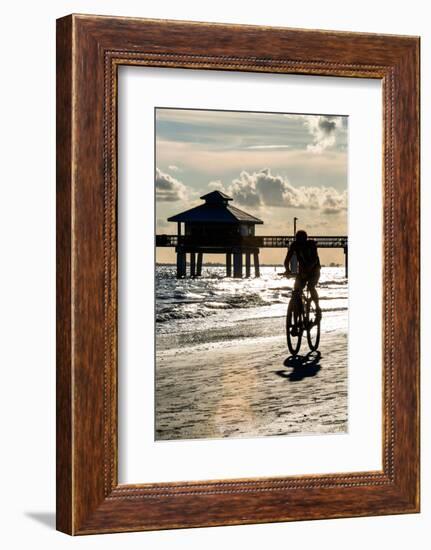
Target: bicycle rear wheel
point(294, 325)
point(313, 325)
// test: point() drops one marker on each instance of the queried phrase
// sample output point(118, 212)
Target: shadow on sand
point(304, 366)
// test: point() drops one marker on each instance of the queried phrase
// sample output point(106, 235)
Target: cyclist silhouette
point(309, 266)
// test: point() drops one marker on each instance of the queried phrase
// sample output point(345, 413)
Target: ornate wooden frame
point(89, 51)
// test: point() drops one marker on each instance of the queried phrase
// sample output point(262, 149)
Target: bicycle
point(302, 314)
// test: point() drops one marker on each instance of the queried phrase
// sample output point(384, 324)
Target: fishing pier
point(217, 227)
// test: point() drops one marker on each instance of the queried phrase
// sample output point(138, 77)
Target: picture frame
point(89, 51)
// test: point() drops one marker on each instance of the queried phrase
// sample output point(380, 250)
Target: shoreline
point(241, 329)
point(248, 386)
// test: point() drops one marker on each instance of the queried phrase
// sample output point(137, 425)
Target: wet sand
point(251, 387)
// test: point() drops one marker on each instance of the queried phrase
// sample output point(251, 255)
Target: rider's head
point(301, 236)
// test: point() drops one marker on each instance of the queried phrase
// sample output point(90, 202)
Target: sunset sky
point(275, 166)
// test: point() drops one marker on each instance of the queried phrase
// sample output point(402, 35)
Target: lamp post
point(294, 259)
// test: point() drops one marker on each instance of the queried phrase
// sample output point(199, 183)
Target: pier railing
point(265, 241)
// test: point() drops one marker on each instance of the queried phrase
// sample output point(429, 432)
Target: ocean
point(213, 308)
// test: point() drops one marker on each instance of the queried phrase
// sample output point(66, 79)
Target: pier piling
point(237, 265)
point(199, 266)
point(247, 264)
point(346, 261)
point(256, 264)
point(228, 264)
point(181, 265)
point(192, 264)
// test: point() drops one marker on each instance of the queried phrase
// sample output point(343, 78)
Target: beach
point(228, 373)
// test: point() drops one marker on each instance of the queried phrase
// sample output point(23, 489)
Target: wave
point(328, 284)
point(175, 315)
point(212, 308)
point(202, 308)
point(213, 294)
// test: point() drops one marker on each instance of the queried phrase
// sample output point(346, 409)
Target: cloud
point(333, 202)
point(262, 188)
point(174, 168)
point(268, 147)
point(303, 166)
point(244, 191)
point(324, 131)
point(169, 189)
point(216, 185)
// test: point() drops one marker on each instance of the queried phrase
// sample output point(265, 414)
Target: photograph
point(251, 274)
point(213, 318)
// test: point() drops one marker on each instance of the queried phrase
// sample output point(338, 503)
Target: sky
point(274, 165)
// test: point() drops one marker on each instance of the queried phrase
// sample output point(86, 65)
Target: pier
point(248, 245)
point(216, 227)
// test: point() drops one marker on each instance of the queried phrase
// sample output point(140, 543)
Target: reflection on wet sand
point(247, 388)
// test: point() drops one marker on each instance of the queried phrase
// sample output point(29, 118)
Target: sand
point(251, 386)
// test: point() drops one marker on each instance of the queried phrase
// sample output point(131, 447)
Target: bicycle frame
point(299, 312)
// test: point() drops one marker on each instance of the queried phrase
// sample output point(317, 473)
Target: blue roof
point(215, 210)
point(216, 196)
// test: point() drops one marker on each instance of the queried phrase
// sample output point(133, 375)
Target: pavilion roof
point(216, 209)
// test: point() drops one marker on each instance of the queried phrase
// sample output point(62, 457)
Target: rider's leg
point(296, 293)
point(314, 296)
point(312, 282)
point(299, 285)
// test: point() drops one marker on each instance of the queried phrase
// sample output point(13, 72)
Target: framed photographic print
point(237, 274)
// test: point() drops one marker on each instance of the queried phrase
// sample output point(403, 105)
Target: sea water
point(214, 308)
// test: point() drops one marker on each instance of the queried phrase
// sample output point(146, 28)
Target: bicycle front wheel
point(313, 325)
point(294, 326)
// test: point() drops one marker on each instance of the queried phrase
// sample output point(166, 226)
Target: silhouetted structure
point(216, 227)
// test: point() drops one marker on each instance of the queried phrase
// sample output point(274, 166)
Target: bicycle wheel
point(294, 325)
point(312, 325)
